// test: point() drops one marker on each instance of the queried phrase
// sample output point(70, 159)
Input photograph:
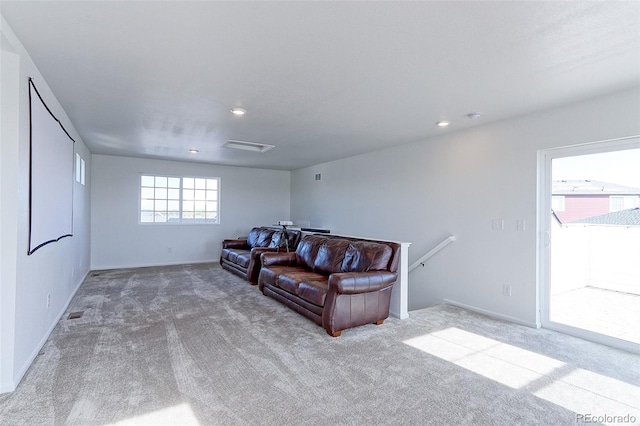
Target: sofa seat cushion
point(226, 253)
point(269, 275)
point(243, 258)
point(305, 284)
point(239, 257)
point(314, 289)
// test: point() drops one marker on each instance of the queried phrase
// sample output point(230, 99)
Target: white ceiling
point(320, 80)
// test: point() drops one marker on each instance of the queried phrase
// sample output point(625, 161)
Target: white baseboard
point(23, 370)
point(492, 314)
point(150, 265)
point(397, 315)
point(7, 387)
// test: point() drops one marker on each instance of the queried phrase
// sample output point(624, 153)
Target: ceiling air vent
point(247, 146)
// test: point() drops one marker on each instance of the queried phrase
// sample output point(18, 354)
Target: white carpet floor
point(196, 345)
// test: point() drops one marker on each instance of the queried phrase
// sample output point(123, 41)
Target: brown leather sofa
point(242, 256)
point(337, 282)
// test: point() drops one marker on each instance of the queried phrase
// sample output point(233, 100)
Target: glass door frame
point(545, 157)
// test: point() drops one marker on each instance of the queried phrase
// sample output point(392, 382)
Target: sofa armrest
point(237, 244)
point(253, 269)
point(361, 282)
point(257, 251)
point(278, 258)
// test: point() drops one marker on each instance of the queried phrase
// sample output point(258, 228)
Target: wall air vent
point(247, 146)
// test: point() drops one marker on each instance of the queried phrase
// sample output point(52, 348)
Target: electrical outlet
point(169, 249)
point(520, 225)
point(497, 224)
point(48, 300)
point(506, 290)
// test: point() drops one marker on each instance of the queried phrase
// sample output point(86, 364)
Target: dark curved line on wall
point(48, 242)
point(35, 89)
point(45, 105)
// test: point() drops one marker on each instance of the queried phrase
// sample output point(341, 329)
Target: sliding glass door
point(589, 220)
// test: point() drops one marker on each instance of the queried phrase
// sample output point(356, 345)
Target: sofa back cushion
point(363, 256)
point(307, 250)
point(260, 237)
point(253, 237)
point(326, 254)
point(278, 239)
point(330, 256)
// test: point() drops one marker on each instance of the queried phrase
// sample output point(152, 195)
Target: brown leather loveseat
point(242, 256)
point(337, 282)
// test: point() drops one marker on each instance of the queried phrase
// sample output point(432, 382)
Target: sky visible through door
point(619, 167)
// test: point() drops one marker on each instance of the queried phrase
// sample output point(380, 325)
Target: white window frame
point(624, 201)
point(80, 169)
point(176, 199)
point(557, 201)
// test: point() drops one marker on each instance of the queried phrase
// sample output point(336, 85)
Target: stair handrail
point(432, 252)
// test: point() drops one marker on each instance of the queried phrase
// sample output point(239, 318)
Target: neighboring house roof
point(629, 217)
point(591, 187)
point(555, 216)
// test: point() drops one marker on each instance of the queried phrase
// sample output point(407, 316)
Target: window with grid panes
point(172, 199)
point(623, 202)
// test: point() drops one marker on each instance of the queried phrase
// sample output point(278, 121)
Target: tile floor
point(599, 310)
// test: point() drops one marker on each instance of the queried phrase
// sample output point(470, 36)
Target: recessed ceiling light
point(238, 111)
point(442, 123)
point(194, 151)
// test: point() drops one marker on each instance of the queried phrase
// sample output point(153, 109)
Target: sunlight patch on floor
point(584, 401)
point(177, 415)
point(514, 376)
point(490, 358)
point(606, 386)
point(581, 391)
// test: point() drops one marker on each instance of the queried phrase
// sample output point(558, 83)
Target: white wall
point(613, 258)
point(56, 269)
point(457, 184)
point(569, 257)
point(248, 197)
point(9, 80)
point(602, 256)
